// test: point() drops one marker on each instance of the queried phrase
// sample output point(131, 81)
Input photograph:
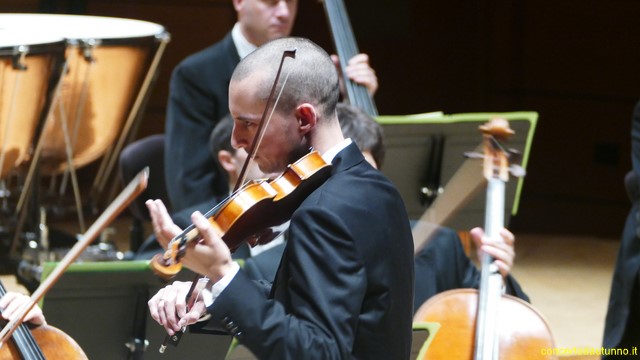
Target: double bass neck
point(346, 47)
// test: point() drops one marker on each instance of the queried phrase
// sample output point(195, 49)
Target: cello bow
point(133, 189)
point(346, 47)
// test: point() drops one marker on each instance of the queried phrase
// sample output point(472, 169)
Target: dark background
point(573, 61)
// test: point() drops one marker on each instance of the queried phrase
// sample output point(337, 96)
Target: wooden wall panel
point(574, 61)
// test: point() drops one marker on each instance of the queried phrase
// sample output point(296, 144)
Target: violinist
point(198, 96)
point(443, 264)
point(344, 285)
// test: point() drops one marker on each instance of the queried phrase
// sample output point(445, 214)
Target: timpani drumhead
point(79, 27)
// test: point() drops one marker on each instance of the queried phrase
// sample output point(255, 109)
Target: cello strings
point(23, 338)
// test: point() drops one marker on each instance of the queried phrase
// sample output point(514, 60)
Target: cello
point(486, 324)
point(40, 342)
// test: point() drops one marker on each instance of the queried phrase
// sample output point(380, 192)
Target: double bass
point(486, 324)
point(346, 47)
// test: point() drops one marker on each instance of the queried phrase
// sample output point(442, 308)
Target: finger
point(7, 299)
point(181, 305)
point(35, 316)
point(191, 317)
point(335, 59)
point(507, 236)
point(503, 268)
point(163, 225)
point(13, 302)
point(477, 234)
point(498, 253)
point(169, 300)
point(359, 59)
point(205, 229)
point(153, 306)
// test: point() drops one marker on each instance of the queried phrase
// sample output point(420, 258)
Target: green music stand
point(103, 306)
point(410, 141)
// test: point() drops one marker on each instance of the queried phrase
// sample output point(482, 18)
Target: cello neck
point(496, 171)
point(346, 47)
point(23, 339)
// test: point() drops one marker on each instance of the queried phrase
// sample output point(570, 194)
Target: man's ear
point(307, 117)
point(237, 4)
point(227, 161)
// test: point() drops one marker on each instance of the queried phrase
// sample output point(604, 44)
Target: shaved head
point(312, 76)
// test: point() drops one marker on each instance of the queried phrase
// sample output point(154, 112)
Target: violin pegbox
point(498, 161)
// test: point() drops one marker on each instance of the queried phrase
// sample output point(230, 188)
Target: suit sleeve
point(325, 286)
point(189, 167)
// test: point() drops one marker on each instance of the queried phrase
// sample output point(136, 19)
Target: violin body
point(51, 342)
point(251, 212)
point(521, 329)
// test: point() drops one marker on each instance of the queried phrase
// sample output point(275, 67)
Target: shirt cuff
point(211, 293)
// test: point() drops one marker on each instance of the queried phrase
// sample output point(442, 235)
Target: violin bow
point(270, 107)
point(264, 120)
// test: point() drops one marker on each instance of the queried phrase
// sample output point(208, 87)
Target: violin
point(40, 342)
point(250, 213)
point(485, 324)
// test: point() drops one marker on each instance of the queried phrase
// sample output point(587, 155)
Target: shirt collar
point(334, 150)
point(242, 44)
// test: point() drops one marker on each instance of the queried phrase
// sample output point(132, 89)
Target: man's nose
point(282, 9)
point(237, 141)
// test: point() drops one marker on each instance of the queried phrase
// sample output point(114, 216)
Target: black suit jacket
point(344, 286)
point(622, 325)
point(198, 98)
point(443, 265)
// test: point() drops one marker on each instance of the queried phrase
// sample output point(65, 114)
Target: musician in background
point(198, 97)
point(12, 301)
point(622, 325)
point(443, 264)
